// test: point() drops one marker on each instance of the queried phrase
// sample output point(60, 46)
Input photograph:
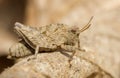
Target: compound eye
point(73, 31)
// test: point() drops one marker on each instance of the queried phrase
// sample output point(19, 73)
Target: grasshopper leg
point(36, 50)
point(72, 49)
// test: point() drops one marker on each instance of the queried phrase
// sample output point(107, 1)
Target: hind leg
point(36, 50)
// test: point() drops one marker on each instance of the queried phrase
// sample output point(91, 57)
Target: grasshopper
point(49, 38)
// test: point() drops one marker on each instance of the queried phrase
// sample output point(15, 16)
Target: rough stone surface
point(56, 65)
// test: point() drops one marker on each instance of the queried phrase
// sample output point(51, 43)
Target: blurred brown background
point(104, 35)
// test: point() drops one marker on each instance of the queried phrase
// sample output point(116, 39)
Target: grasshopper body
point(48, 38)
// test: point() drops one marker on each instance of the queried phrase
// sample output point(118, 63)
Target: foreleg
point(71, 48)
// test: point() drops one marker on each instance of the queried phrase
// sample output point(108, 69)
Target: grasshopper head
point(77, 31)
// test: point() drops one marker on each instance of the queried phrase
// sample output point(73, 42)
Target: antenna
point(87, 25)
